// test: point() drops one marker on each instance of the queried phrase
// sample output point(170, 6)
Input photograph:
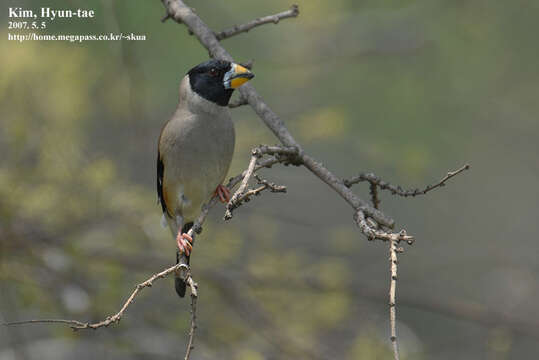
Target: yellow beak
point(237, 76)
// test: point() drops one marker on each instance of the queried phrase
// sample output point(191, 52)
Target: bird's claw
point(184, 242)
point(223, 193)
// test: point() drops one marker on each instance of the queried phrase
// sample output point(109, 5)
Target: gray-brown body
point(196, 147)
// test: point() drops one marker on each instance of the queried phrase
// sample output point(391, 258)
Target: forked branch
point(279, 153)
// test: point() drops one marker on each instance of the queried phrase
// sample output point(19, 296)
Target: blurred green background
point(405, 89)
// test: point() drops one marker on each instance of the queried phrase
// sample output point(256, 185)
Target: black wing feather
point(160, 171)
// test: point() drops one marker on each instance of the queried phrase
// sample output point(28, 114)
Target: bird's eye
point(213, 72)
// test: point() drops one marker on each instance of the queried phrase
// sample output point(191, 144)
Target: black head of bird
point(215, 80)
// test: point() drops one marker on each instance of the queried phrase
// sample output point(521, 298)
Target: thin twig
point(265, 185)
point(266, 163)
point(393, 273)
point(47, 321)
point(397, 190)
point(272, 187)
point(287, 154)
point(194, 296)
point(79, 325)
point(392, 301)
point(238, 29)
point(241, 189)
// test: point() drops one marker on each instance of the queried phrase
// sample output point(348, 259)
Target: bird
point(195, 149)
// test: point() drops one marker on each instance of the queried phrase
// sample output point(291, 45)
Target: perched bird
point(195, 148)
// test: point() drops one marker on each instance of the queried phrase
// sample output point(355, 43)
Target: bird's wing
point(160, 172)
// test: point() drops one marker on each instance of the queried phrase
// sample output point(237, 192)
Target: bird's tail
point(179, 283)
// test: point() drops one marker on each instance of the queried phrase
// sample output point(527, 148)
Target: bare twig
point(266, 163)
point(397, 190)
point(288, 154)
point(392, 300)
point(272, 187)
point(393, 271)
point(238, 29)
point(232, 204)
point(78, 325)
point(194, 296)
point(265, 185)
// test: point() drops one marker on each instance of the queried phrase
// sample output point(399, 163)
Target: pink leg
point(184, 243)
point(223, 193)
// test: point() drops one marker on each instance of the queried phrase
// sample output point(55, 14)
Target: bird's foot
point(184, 242)
point(223, 193)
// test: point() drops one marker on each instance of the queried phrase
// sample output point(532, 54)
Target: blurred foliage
point(407, 89)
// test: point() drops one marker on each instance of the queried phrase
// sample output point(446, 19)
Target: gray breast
point(199, 149)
